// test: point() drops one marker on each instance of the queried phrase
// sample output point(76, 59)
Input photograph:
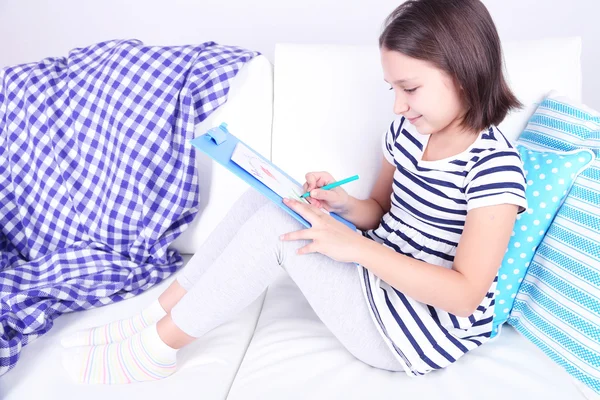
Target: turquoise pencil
point(333, 185)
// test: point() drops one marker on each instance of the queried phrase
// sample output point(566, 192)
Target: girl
point(433, 231)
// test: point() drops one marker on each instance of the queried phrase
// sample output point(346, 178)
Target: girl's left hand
point(329, 236)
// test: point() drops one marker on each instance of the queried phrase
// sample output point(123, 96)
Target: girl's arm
point(458, 290)
point(366, 214)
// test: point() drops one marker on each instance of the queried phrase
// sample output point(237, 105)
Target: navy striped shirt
point(429, 204)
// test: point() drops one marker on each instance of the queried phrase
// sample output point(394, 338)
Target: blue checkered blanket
point(97, 175)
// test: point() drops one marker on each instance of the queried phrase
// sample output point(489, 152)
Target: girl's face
point(425, 95)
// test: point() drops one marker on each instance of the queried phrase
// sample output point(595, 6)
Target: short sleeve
point(388, 140)
point(496, 178)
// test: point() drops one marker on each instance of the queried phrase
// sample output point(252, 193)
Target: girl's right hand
point(333, 200)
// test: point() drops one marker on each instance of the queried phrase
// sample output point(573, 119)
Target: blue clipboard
point(219, 144)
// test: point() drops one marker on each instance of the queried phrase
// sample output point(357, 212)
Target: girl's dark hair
point(460, 38)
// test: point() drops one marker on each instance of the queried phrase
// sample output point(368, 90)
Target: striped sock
point(115, 331)
point(142, 357)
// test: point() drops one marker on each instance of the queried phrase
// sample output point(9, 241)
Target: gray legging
point(244, 255)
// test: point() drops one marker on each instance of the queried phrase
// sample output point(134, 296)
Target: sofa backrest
point(332, 106)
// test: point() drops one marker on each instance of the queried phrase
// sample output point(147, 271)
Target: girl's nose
point(400, 106)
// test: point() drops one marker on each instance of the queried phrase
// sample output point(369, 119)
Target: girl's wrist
point(362, 248)
point(348, 207)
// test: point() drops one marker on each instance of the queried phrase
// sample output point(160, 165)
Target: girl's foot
point(142, 357)
point(116, 331)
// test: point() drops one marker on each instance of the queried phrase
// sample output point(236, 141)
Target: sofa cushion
point(206, 367)
point(294, 356)
point(558, 303)
point(550, 175)
point(248, 112)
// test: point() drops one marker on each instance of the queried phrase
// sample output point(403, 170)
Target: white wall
point(33, 29)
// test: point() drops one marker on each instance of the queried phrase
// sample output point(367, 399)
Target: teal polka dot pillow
point(549, 176)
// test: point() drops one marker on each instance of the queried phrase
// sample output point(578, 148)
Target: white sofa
point(320, 108)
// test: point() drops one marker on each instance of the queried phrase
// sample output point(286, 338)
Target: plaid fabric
point(97, 175)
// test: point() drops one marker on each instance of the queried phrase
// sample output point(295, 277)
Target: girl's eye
point(410, 90)
point(391, 88)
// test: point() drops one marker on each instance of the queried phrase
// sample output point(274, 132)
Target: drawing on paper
point(264, 172)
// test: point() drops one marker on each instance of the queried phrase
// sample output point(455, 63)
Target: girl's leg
point(250, 202)
point(251, 260)
point(242, 210)
point(119, 330)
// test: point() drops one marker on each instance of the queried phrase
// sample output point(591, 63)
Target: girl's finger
point(307, 211)
point(319, 194)
point(303, 234)
point(309, 248)
point(325, 195)
point(314, 202)
point(324, 179)
point(310, 181)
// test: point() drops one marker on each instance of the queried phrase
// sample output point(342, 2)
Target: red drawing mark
point(266, 171)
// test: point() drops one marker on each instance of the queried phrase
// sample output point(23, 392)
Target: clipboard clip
point(219, 133)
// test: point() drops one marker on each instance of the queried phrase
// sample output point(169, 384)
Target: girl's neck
point(448, 143)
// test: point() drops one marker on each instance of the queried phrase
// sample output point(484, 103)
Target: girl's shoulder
point(494, 138)
point(493, 142)
point(493, 151)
